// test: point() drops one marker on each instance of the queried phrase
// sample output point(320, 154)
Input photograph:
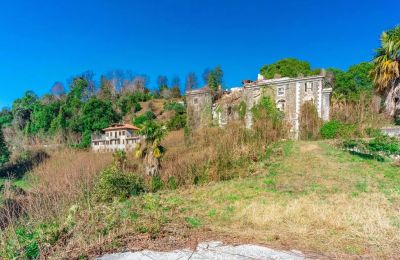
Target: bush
point(330, 129)
point(397, 121)
point(177, 122)
point(113, 183)
point(337, 129)
point(140, 120)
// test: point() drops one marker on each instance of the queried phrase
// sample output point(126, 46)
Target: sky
point(42, 42)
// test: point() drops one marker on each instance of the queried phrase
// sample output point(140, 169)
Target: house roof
point(121, 127)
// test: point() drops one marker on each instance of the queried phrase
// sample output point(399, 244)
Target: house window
point(308, 87)
point(281, 91)
point(195, 101)
point(281, 105)
point(123, 132)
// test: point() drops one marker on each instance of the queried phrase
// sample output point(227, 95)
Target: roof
point(121, 127)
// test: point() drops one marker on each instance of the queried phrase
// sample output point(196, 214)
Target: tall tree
point(175, 87)
point(152, 150)
point(215, 78)
point(191, 81)
point(206, 75)
point(22, 109)
point(57, 89)
point(4, 152)
point(288, 67)
point(386, 72)
point(162, 82)
point(352, 82)
point(107, 90)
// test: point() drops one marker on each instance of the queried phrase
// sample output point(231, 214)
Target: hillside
point(308, 196)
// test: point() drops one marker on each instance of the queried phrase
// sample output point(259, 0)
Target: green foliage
point(376, 148)
point(288, 67)
point(337, 129)
point(142, 119)
point(215, 78)
point(153, 131)
point(22, 109)
point(115, 184)
point(156, 183)
point(266, 109)
point(385, 144)
point(352, 82)
point(178, 121)
point(397, 120)
point(6, 118)
point(175, 106)
point(120, 159)
point(130, 102)
point(193, 222)
point(29, 241)
point(42, 117)
point(242, 110)
point(4, 152)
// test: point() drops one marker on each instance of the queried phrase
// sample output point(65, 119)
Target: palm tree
point(386, 71)
point(151, 150)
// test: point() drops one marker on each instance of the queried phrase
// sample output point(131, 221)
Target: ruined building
point(289, 94)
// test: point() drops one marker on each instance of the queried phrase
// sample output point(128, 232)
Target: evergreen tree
point(4, 152)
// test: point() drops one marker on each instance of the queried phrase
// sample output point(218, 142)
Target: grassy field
point(309, 196)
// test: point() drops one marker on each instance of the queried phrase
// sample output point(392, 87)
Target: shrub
point(337, 129)
point(397, 121)
point(310, 122)
point(385, 144)
point(140, 120)
point(113, 183)
point(330, 129)
point(156, 183)
point(177, 122)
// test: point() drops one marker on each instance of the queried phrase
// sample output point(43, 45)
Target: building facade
point(116, 137)
point(289, 95)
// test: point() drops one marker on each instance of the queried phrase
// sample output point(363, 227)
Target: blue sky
point(42, 42)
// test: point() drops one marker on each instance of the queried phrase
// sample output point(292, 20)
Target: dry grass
point(60, 181)
point(364, 113)
point(308, 196)
point(213, 154)
point(318, 200)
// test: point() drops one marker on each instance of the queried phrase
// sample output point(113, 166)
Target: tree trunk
point(152, 164)
point(392, 100)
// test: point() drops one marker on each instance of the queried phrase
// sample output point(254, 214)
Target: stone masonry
point(289, 94)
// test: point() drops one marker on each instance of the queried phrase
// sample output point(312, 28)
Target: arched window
point(281, 104)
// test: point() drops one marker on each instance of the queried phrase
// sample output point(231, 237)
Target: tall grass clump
point(215, 154)
point(363, 113)
point(310, 122)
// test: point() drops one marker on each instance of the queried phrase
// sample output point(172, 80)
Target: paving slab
point(210, 250)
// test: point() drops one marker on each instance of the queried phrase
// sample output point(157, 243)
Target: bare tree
point(206, 75)
point(107, 89)
point(91, 83)
point(140, 83)
point(175, 87)
point(162, 82)
point(191, 81)
point(57, 89)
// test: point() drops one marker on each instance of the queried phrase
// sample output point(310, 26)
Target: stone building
point(199, 107)
point(289, 94)
point(116, 137)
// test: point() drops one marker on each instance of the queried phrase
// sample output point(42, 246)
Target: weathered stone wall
point(289, 94)
point(199, 108)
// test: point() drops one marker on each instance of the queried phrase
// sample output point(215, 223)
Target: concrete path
point(210, 250)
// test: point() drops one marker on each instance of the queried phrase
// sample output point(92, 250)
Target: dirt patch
point(309, 147)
